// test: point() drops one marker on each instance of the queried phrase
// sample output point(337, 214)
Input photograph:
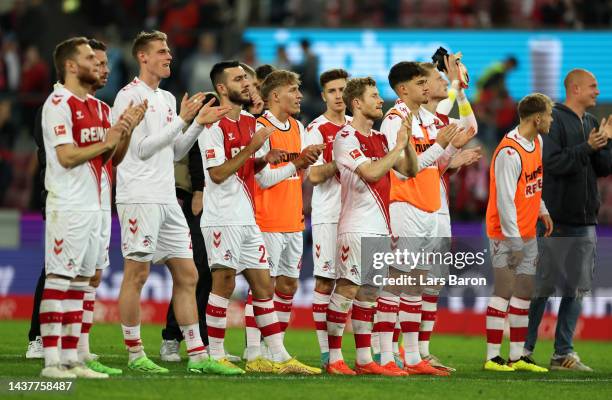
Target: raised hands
point(446, 135)
point(465, 158)
point(190, 106)
point(260, 137)
point(462, 137)
point(405, 131)
point(209, 114)
point(309, 156)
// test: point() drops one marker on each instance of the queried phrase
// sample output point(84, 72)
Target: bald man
point(576, 152)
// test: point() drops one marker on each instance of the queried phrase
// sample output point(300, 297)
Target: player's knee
point(287, 286)
point(323, 285)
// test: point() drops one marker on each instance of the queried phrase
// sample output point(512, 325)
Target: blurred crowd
point(203, 32)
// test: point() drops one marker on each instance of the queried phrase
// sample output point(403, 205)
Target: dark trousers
point(567, 261)
point(172, 330)
point(35, 321)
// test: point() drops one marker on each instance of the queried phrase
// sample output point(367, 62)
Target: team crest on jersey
point(60, 130)
point(148, 240)
point(228, 255)
point(326, 266)
point(70, 265)
point(354, 270)
point(355, 154)
point(385, 148)
point(330, 138)
point(169, 116)
point(363, 147)
point(270, 263)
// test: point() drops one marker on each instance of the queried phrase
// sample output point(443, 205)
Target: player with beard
point(79, 140)
point(233, 239)
point(364, 161)
point(515, 205)
point(153, 226)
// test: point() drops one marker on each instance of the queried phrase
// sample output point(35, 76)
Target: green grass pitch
point(464, 353)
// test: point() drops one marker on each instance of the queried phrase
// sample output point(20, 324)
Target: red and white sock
point(375, 338)
point(253, 336)
point(410, 321)
point(72, 305)
point(89, 300)
point(282, 305)
point(193, 341)
point(387, 308)
point(518, 318)
point(320, 301)
point(496, 316)
point(133, 344)
point(267, 322)
point(50, 316)
point(216, 322)
point(337, 314)
point(362, 319)
point(428, 320)
point(396, 333)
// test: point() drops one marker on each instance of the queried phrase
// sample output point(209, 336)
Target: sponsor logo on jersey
point(93, 134)
point(79, 114)
point(230, 136)
point(355, 154)
point(210, 153)
point(56, 99)
point(60, 130)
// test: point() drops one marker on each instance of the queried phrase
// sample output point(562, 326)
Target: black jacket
point(571, 168)
point(37, 132)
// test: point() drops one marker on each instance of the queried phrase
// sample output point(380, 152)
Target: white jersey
point(106, 186)
point(365, 206)
point(148, 178)
point(68, 119)
point(325, 201)
point(230, 202)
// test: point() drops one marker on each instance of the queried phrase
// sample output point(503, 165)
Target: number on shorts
point(262, 259)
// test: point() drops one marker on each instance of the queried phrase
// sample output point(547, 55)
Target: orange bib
point(528, 193)
point(422, 191)
point(279, 208)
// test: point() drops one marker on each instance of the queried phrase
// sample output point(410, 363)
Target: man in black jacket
point(575, 153)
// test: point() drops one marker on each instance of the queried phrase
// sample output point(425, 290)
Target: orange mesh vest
point(422, 191)
point(528, 191)
point(279, 208)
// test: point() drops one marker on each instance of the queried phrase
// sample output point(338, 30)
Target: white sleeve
point(57, 124)
point(269, 177)
point(347, 152)
point(507, 174)
point(429, 156)
point(211, 146)
point(389, 128)
point(184, 141)
point(446, 156)
point(147, 142)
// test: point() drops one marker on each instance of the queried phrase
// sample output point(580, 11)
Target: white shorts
point(284, 253)
point(417, 230)
point(106, 221)
point(72, 242)
point(443, 236)
point(324, 238)
point(154, 232)
point(349, 264)
point(236, 247)
point(500, 251)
